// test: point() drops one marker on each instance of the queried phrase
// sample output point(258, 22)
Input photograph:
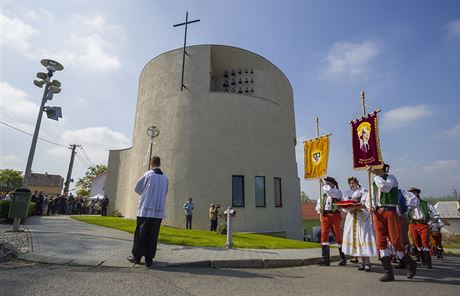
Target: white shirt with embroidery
point(384, 186)
point(332, 192)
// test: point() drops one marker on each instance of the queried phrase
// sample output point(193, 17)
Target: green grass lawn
point(201, 238)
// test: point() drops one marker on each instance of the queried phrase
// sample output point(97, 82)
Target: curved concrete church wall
point(207, 135)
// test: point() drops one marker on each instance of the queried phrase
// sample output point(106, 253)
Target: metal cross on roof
point(185, 44)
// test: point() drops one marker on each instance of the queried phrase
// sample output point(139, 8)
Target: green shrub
point(4, 208)
point(30, 209)
point(222, 229)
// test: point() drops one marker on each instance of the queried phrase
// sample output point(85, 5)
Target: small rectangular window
point(237, 191)
point(278, 196)
point(260, 191)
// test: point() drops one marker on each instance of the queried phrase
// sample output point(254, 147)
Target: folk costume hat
point(414, 190)
point(332, 180)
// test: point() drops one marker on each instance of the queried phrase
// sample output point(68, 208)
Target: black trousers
point(188, 223)
point(213, 225)
point(104, 212)
point(146, 237)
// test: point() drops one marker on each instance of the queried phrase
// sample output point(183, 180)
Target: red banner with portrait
point(365, 142)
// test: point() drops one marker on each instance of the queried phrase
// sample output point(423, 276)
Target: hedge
point(5, 208)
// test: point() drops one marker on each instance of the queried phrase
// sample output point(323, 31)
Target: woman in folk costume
point(358, 233)
point(330, 219)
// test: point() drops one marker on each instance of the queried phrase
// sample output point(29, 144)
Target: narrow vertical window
point(260, 191)
point(278, 196)
point(237, 191)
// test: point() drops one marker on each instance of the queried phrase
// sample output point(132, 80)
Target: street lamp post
point(51, 87)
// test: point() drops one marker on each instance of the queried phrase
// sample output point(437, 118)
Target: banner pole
point(363, 102)
point(319, 181)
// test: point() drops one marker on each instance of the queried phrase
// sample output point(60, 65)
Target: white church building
point(228, 138)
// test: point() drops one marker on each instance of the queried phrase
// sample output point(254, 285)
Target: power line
point(82, 160)
point(30, 134)
point(86, 155)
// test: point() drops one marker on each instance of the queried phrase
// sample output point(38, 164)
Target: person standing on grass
point(188, 207)
point(104, 205)
point(152, 188)
point(213, 214)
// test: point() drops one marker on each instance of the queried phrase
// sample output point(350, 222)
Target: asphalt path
point(22, 278)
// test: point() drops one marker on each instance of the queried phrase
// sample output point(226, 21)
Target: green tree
point(83, 192)
point(304, 197)
point(10, 178)
point(85, 182)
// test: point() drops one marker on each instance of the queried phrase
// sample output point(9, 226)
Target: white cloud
point(442, 165)
point(16, 34)
point(453, 133)
point(12, 161)
point(15, 107)
point(347, 59)
point(89, 45)
point(80, 101)
point(403, 116)
point(96, 142)
point(452, 29)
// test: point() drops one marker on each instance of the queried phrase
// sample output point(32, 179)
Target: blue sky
point(404, 54)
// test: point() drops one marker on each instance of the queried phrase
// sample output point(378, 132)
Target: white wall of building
point(208, 135)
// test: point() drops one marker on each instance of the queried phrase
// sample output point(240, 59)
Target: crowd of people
point(394, 225)
point(65, 204)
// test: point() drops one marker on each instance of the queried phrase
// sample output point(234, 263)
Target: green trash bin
point(19, 203)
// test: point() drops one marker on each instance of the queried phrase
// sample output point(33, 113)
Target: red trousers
point(420, 232)
point(386, 225)
point(436, 239)
point(331, 221)
point(404, 224)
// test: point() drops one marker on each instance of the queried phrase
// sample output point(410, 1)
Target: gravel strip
point(18, 239)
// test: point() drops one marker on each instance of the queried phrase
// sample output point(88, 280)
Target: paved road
point(20, 278)
point(85, 244)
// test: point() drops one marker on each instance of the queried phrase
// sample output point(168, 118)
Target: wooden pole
point(319, 181)
point(363, 102)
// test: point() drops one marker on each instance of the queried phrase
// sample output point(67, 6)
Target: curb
point(236, 263)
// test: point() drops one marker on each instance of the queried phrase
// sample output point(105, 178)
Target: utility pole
point(69, 172)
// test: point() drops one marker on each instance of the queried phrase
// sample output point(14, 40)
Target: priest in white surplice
point(152, 188)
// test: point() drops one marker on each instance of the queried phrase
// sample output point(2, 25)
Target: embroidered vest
point(387, 198)
point(334, 207)
point(423, 208)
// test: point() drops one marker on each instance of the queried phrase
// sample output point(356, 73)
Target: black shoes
point(411, 266)
point(343, 259)
point(134, 260)
point(388, 276)
point(326, 261)
point(148, 262)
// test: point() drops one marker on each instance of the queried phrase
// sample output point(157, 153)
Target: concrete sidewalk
point(62, 240)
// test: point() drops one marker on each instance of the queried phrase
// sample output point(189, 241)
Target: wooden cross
point(185, 44)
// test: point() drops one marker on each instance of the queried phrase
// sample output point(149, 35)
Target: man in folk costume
point(436, 238)
point(420, 220)
point(358, 233)
point(406, 200)
point(386, 222)
point(152, 188)
point(330, 219)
